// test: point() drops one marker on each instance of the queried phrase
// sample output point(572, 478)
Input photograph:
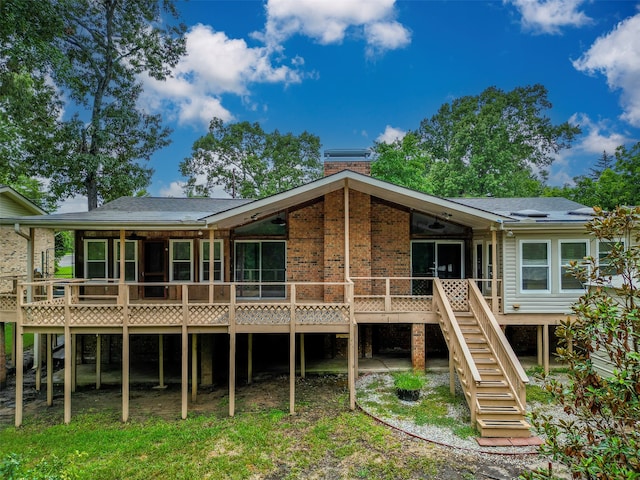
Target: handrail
point(460, 346)
point(511, 367)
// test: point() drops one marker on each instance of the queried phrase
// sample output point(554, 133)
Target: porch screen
point(262, 262)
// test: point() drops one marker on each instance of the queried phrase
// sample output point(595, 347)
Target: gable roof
point(188, 213)
point(17, 201)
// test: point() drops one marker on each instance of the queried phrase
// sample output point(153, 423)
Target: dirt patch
point(316, 397)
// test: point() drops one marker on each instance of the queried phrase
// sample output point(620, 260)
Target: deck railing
point(505, 355)
point(82, 303)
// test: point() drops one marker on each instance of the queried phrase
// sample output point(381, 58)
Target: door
point(442, 259)
point(155, 263)
point(262, 262)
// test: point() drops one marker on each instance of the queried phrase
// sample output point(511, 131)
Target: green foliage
point(601, 439)
point(490, 144)
point(93, 52)
point(64, 243)
point(249, 162)
point(409, 380)
point(12, 467)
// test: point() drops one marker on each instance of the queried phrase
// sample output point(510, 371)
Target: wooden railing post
point(185, 349)
point(69, 354)
point(387, 295)
point(232, 350)
point(292, 350)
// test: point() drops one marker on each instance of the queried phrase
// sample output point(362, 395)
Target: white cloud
point(617, 56)
point(329, 22)
point(174, 189)
point(549, 16)
point(391, 134)
point(596, 136)
point(214, 65)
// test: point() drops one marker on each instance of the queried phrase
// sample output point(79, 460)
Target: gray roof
point(539, 209)
point(141, 211)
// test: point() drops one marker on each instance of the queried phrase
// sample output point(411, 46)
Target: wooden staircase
point(490, 375)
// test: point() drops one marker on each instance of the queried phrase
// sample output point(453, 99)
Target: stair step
point(493, 384)
point(497, 396)
point(504, 428)
point(485, 361)
point(498, 410)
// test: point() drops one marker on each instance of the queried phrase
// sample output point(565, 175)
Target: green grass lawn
point(64, 272)
point(8, 338)
point(323, 440)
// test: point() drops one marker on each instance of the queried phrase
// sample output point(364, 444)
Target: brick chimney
point(356, 160)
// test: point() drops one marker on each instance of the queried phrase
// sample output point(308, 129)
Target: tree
point(401, 162)
point(248, 162)
point(497, 143)
point(602, 437)
point(628, 166)
point(605, 162)
point(106, 45)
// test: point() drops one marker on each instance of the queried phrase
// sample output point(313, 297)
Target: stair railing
point(505, 356)
point(458, 349)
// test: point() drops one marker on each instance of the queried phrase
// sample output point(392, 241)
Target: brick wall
point(390, 242)
point(358, 166)
point(305, 252)
point(334, 244)
point(360, 239)
point(13, 254)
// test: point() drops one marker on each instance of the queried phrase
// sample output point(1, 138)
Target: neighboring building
point(347, 265)
point(13, 251)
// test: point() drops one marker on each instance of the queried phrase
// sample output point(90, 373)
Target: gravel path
point(525, 456)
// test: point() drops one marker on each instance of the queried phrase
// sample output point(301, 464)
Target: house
point(347, 265)
point(21, 252)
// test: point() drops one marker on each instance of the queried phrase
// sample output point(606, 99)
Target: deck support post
point(19, 349)
point(303, 365)
point(37, 344)
point(249, 358)
point(452, 374)
point(545, 348)
point(49, 369)
point(184, 376)
point(69, 355)
point(539, 344)
point(194, 367)
point(125, 358)
point(292, 351)
point(161, 361)
point(98, 361)
point(232, 351)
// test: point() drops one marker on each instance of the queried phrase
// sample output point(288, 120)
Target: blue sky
point(356, 71)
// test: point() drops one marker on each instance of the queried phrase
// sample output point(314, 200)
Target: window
point(130, 260)
point(95, 263)
point(217, 261)
point(604, 262)
point(180, 258)
point(571, 251)
point(261, 262)
point(535, 267)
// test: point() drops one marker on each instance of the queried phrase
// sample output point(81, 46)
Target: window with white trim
point(130, 260)
point(535, 266)
point(96, 257)
point(604, 250)
point(217, 261)
point(571, 251)
point(263, 262)
point(181, 260)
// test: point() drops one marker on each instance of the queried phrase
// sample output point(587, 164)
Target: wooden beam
point(545, 348)
point(19, 363)
point(49, 369)
point(74, 360)
point(303, 366)
point(98, 361)
point(232, 351)
point(69, 355)
point(161, 361)
point(185, 351)
point(249, 358)
point(494, 272)
point(125, 357)
point(292, 351)
point(194, 368)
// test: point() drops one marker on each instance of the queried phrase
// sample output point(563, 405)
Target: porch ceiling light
point(436, 225)
point(281, 222)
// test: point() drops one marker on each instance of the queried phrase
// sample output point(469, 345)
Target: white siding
point(553, 302)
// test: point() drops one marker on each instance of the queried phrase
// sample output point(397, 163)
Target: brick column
point(418, 344)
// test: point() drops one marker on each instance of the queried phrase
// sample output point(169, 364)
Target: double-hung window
point(96, 258)
point(570, 251)
point(181, 260)
point(535, 266)
point(604, 262)
point(217, 260)
point(130, 260)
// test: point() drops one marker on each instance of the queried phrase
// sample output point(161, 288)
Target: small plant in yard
point(408, 385)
